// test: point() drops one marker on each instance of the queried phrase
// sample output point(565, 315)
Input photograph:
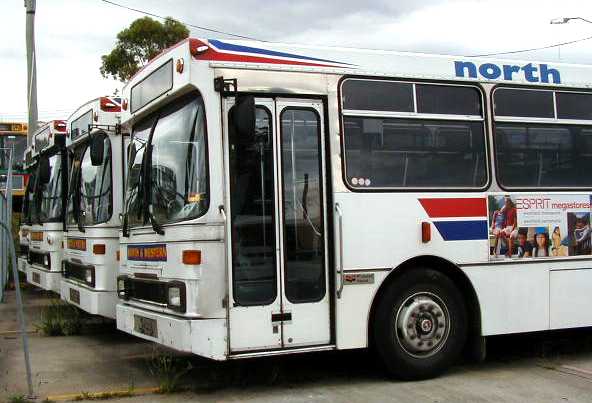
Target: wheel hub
point(422, 324)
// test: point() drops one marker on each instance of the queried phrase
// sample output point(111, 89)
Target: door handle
point(222, 212)
point(340, 227)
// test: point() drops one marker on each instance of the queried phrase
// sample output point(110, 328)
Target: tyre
point(420, 324)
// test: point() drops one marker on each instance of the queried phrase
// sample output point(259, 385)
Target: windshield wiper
point(77, 198)
point(156, 227)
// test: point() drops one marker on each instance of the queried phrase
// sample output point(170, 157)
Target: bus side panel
point(569, 295)
point(353, 313)
point(381, 231)
point(513, 298)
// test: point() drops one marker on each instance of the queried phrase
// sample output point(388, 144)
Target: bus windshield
point(28, 200)
point(17, 143)
point(50, 194)
point(90, 187)
point(72, 213)
point(174, 171)
point(95, 187)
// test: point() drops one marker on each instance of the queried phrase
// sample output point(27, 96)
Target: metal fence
point(8, 259)
point(6, 220)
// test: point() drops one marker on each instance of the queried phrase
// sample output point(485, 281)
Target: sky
point(71, 35)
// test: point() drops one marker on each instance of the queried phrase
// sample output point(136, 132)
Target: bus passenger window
point(441, 144)
point(552, 152)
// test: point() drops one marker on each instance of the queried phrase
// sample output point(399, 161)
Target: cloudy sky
point(72, 35)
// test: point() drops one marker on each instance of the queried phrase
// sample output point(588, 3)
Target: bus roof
point(13, 128)
point(100, 103)
point(394, 64)
point(368, 62)
point(45, 135)
point(101, 111)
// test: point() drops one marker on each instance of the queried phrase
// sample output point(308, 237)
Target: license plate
point(145, 326)
point(36, 278)
point(75, 296)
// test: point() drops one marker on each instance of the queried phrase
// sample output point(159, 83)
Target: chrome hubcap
point(422, 324)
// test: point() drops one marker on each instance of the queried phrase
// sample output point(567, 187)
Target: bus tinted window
point(539, 155)
point(153, 86)
point(252, 188)
point(95, 187)
point(574, 106)
point(178, 173)
point(448, 99)
point(374, 95)
point(42, 139)
point(302, 205)
point(523, 103)
point(80, 126)
point(420, 153)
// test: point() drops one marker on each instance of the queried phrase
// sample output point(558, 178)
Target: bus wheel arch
point(474, 346)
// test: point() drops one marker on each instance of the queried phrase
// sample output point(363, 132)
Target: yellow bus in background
point(13, 135)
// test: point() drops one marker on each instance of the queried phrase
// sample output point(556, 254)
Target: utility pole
point(31, 70)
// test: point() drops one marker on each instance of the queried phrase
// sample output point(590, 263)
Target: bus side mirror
point(44, 170)
point(242, 115)
point(97, 149)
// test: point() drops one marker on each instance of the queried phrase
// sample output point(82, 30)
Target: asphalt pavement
point(541, 367)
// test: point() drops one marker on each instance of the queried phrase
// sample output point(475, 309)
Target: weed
point(131, 387)
point(168, 369)
point(102, 395)
point(17, 399)
point(59, 319)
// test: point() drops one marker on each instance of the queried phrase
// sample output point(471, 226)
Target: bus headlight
point(121, 287)
point(176, 296)
point(89, 277)
point(46, 261)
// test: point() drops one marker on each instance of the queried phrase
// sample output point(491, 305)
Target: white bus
point(50, 169)
point(285, 199)
point(25, 222)
point(95, 198)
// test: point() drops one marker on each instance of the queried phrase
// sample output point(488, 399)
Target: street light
point(565, 20)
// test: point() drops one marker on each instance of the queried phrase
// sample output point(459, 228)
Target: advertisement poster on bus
point(535, 226)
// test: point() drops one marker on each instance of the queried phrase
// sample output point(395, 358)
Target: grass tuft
point(59, 319)
point(168, 369)
point(17, 399)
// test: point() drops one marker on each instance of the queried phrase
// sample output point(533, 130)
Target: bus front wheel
point(420, 324)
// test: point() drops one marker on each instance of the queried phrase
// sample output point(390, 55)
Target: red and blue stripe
point(231, 52)
point(458, 219)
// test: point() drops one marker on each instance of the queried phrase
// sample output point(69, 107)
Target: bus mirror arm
point(222, 212)
point(340, 270)
point(124, 227)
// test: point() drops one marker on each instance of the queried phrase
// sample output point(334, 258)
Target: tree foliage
point(136, 45)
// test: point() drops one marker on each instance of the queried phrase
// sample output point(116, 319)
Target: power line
point(186, 23)
point(555, 45)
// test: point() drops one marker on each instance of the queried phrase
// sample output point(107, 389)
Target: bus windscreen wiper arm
point(155, 225)
point(77, 200)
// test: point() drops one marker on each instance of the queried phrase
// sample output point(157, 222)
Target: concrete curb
point(16, 332)
point(109, 394)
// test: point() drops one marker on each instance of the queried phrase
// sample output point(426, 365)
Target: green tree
point(140, 42)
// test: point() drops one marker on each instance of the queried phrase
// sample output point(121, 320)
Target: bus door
point(277, 227)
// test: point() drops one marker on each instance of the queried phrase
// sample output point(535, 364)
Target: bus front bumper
point(46, 279)
point(95, 302)
point(204, 337)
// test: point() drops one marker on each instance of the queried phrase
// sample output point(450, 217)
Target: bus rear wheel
point(420, 324)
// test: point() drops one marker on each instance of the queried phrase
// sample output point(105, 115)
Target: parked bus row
point(246, 199)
